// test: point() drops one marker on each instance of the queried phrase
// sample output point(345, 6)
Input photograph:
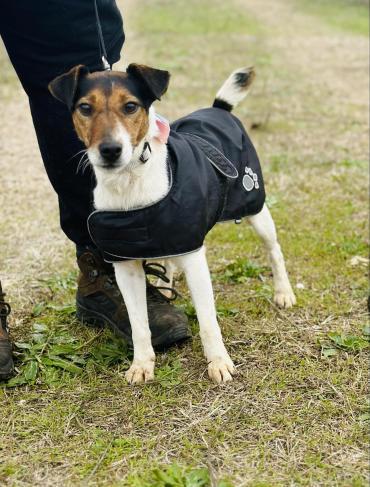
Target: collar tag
point(147, 151)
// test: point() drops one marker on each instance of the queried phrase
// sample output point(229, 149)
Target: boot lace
point(153, 292)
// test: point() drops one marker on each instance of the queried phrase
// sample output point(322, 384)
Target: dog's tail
point(234, 89)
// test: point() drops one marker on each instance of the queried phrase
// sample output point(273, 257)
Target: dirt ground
point(297, 413)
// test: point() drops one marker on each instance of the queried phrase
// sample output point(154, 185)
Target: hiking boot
point(6, 359)
point(99, 302)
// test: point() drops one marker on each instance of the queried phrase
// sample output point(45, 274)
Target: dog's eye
point(85, 109)
point(130, 108)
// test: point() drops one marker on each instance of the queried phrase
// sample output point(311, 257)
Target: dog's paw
point(285, 298)
point(140, 371)
point(221, 369)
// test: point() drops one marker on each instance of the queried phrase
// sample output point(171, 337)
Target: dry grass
point(296, 414)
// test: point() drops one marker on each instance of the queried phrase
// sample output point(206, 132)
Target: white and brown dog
point(114, 117)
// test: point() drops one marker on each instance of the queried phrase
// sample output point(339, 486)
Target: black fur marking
point(154, 80)
point(103, 83)
point(106, 82)
point(224, 105)
point(64, 87)
point(241, 79)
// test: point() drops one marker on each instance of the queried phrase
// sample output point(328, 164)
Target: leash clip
point(106, 65)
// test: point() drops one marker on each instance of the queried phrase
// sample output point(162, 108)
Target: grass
point(297, 413)
point(191, 18)
point(343, 15)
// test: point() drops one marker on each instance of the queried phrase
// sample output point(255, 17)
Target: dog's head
point(111, 109)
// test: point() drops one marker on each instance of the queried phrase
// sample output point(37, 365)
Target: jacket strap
point(215, 157)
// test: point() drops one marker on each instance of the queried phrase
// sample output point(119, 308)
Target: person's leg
point(44, 40)
point(39, 51)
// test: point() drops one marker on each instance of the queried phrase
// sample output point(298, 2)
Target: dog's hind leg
point(220, 365)
point(130, 278)
point(265, 228)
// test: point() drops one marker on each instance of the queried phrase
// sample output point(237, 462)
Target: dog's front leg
point(220, 365)
point(130, 278)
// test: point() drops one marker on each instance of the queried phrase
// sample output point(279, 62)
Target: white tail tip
point(235, 88)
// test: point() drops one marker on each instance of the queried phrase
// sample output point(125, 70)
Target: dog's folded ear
point(64, 87)
point(155, 81)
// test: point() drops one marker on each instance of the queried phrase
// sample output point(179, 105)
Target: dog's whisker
point(82, 167)
point(79, 163)
point(83, 163)
point(84, 151)
point(86, 164)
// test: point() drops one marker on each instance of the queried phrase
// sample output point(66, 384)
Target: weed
point(169, 374)
point(52, 351)
point(241, 270)
point(224, 311)
point(347, 343)
point(61, 282)
point(173, 476)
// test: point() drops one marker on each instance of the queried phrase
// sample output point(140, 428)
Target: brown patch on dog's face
point(110, 109)
point(101, 112)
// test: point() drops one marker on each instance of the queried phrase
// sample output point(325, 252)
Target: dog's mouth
point(109, 166)
point(110, 163)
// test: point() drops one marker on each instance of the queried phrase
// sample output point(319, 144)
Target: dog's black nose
point(110, 151)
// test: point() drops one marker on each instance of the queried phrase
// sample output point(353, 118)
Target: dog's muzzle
point(110, 152)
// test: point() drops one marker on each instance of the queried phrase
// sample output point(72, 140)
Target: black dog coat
point(215, 175)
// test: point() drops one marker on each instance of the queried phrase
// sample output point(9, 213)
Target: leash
point(146, 153)
point(102, 49)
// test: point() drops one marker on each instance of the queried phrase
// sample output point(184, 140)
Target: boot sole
point(177, 334)
point(7, 371)
point(7, 365)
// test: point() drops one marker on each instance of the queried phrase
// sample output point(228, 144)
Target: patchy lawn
point(297, 412)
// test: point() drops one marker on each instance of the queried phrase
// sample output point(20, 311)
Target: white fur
point(131, 281)
point(127, 189)
point(264, 226)
point(134, 184)
point(230, 91)
point(195, 267)
point(119, 134)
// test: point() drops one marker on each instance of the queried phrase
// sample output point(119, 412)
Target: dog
point(113, 115)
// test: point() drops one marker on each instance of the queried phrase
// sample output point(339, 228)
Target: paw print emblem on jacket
point(250, 180)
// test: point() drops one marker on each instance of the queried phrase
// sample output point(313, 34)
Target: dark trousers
point(43, 40)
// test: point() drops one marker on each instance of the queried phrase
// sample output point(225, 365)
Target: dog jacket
point(215, 176)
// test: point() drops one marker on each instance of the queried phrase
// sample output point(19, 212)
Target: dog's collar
point(147, 152)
